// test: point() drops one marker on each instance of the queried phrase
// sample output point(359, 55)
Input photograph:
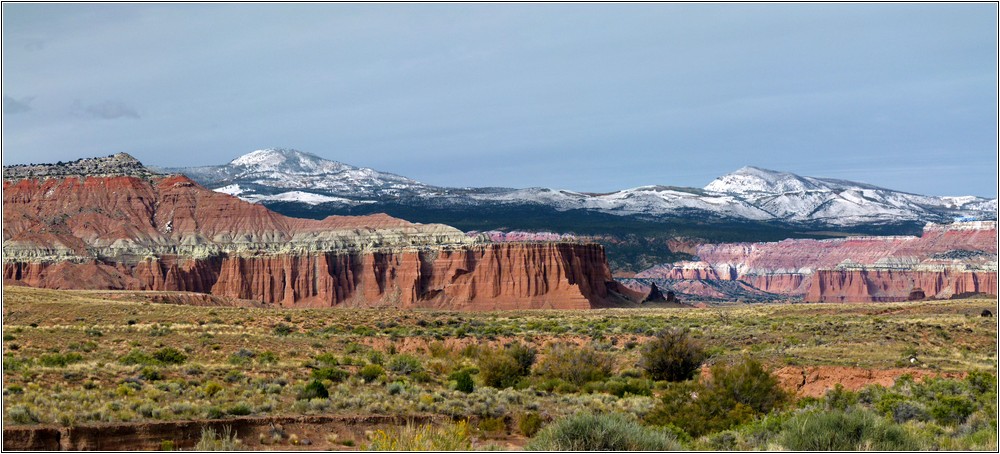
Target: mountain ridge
point(749, 193)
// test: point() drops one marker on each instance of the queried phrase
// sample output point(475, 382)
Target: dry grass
point(948, 336)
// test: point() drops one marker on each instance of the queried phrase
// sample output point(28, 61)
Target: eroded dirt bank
point(815, 381)
point(315, 432)
point(330, 432)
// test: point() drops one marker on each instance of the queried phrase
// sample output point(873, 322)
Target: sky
point(589, 97)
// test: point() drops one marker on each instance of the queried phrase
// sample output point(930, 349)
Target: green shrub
point(22, 415)
point(371, 372)
point(267, 357)
point(242, 357)
point(234, 376)
point(159, 330)
point(169, 355)
point(12, 363)
point(405, 364)
point(838, 430)
point(748, 383)
point(630, 386)
point(137, 357)
point(327, 359)
point(421, 376)
point(59, 359)
point(212, 388)
point(949, 402)
point(524, 356)
point(952, 410)
point(504, 368)
point(731, 396)
point(907, 411)
point(498, 369)
point(492, 425)
point(607, 432)
point(576, 365)
point(313, 390)
point(282, 329)
point(982, 383)
point(214, 412)
point(240, 409)
point(463, 381)
point(529, 423)
point(330, 373)
point(150, 373)
point(672, 355)
point(839, 398)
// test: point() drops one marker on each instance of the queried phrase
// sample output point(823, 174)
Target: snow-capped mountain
point(795, 198)
point(748, 194)
point(292, 175)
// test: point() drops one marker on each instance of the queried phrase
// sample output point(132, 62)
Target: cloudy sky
point(587, 97)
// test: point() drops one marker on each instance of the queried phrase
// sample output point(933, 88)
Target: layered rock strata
point(133, 230)
point(947, 260)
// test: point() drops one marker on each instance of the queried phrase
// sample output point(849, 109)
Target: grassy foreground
point(78, 357)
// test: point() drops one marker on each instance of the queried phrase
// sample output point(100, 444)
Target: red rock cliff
point(475, 277)
point(168, 233)
point(897, 285)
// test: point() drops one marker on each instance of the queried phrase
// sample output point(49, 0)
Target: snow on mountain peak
point(264, 156)
point(285, 175)
point(287, 160)
point(751, 179)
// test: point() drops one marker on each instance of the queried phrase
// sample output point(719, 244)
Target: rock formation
point(947, 260)
point(656, 296)
point(107, 224)
point(121, 164)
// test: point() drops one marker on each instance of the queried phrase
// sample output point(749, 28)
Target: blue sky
point(592, 97)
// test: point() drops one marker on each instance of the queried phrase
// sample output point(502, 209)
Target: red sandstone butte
point(170, 234)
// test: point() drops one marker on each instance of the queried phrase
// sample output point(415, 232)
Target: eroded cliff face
point(150, 232)
point(476, 277)
point(897, 285)
point(945, 261)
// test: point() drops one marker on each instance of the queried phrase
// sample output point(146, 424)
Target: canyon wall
point(898, 285)
point(945, 261)
point(141, 231)
point(475, 277)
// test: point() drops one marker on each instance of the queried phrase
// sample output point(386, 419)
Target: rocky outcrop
point(947, 260)
point(519, 236)
point(118, 165)
point(656, 296)
point(167, 233)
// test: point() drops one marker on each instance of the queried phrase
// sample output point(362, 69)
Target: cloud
point(13, 106)
point(108, 110)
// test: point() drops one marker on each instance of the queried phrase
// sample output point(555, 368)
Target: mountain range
point(273, 176)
